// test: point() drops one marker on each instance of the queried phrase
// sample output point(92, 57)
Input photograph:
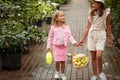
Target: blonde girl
point(58, 38)
point(98, 24)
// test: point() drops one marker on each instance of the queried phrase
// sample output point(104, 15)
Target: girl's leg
point(57, 66)
point(94, 62)
point(99, 58)
point(62, 70)
point(62, 66)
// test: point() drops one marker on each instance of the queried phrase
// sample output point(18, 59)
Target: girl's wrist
point(48, 49)
point(81, 40)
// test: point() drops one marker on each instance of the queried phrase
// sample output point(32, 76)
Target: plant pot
point(48, 20)
point(39, 23)
point(65, 2)
point(11, 60)
point(58, 7)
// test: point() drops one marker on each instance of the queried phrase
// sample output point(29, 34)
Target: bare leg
point(62, 70)
point(94, 62)
point(62, 66)
point(57, 65)
point(99, 57)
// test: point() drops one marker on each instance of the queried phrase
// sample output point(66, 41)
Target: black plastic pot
point(65, 1)
point(48, 20)
point(11, 60)
point(39, 23)
point(58, 7)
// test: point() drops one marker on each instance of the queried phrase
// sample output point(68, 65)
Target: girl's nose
point(63, 17)
point(93, 6)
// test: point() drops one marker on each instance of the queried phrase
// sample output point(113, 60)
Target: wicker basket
point(80, 61)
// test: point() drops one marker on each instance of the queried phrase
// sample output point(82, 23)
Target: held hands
point(76, 44)
point(81, 43)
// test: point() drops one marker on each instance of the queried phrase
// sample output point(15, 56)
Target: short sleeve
point(107, 11)
point(89, 16)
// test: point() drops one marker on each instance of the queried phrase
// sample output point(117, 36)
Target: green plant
point(49, 8)
point(115, 18)
point(58, 1)
point(35, 33)
point(15, 19)
point(13, 37)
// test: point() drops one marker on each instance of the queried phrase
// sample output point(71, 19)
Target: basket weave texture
point(80, 61)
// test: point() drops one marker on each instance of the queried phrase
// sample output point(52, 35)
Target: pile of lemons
point(80, 60)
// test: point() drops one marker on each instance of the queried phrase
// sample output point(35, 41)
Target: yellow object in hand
point(49, 57)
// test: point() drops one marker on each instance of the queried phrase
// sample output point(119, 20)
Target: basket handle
point(72, 51)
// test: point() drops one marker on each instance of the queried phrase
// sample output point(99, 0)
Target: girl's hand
point(81, 43)
point(109, 42)
point(76, 44)
point(48, 49)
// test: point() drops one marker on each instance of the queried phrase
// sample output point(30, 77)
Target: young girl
point(98, 23)
point(58, 38)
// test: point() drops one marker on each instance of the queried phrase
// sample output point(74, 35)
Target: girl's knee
point(93, 55)
point(58, 62)
point(99, 54)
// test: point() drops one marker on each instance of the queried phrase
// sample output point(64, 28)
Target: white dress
point(97, 32)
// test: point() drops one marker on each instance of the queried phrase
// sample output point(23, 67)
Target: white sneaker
point(102, 76)
point(57, 75)
point(94, 77)
point(63, 77)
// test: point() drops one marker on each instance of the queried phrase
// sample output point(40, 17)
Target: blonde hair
point(55, 15)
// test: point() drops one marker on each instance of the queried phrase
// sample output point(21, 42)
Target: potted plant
point(57, 3)
point(12, 43)
point(35, 12)
point(40, 13)
point(14, 31)
point(36, 34)
point(49, 8)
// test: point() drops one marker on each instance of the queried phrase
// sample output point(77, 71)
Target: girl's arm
point(108, 30)
point(70, 37)
point(85, 33)
point(50, 39)
point(87, 28)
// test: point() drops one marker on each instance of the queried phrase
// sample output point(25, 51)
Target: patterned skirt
point(59, 53)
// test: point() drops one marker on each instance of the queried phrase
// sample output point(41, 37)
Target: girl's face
point(61, 17)
point(95, 5)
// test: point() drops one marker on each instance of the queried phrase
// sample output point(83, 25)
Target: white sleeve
point(107, 12)
point(89, 15)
